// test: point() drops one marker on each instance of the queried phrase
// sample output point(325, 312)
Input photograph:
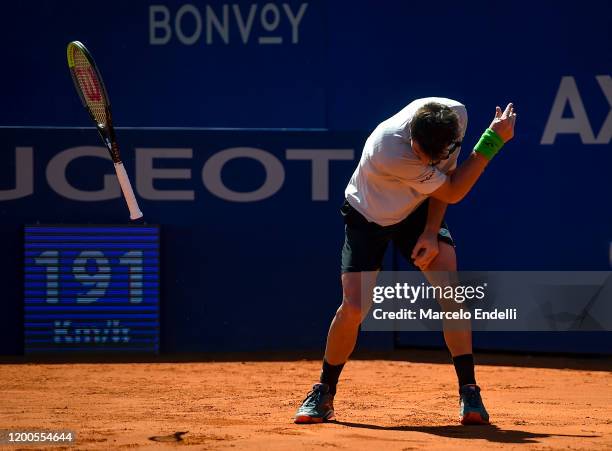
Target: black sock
point(464, 366)
point(330, 375)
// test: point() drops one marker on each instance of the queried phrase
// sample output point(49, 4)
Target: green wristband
point(489, 144)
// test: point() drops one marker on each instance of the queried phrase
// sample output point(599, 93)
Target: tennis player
point(406, 177)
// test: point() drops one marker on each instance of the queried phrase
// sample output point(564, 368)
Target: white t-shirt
point(390, 181)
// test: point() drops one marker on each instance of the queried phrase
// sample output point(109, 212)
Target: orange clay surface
point(555, 403)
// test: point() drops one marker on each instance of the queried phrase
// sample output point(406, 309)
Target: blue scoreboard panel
point(91, 288)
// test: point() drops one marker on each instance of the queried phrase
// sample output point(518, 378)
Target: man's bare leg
point(318, 405)
point(344, 328)
point(458, 337)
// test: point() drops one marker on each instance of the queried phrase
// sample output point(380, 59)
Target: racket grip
point(128, 193)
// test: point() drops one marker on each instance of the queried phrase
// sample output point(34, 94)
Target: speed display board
point(91, 288)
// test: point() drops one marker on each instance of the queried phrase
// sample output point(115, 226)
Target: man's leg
point(344, 327)
point(458, 338)
point(362, 255)
point(341, 339)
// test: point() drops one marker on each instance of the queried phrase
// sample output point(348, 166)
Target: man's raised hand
point(503, 123)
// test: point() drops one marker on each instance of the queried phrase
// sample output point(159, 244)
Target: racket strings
point(90, 86)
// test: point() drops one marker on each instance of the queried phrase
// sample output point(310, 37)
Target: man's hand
point(425, 250)
point(503, 123)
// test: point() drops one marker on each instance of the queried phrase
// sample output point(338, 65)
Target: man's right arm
point(463, 179)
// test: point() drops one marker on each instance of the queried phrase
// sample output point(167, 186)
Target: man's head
point(434, 127)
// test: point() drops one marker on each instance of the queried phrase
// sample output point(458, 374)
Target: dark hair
point(435, 127)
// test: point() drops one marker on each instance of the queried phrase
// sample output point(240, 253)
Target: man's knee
point(350, 312)
point(446, 260)
point(354, 301)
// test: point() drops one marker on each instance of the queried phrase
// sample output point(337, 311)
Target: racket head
point(88, 83)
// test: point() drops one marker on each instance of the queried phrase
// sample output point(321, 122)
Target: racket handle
point(128, 193)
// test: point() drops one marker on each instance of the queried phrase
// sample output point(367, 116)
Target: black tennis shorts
point(365, 242)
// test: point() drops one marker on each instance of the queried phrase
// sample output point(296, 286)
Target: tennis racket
point(89, 85)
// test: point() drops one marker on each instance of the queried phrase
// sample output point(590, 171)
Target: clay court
point(395, 404)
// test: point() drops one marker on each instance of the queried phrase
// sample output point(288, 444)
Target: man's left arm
point(426, 248)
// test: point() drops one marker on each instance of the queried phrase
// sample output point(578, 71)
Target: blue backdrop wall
point(334, 64)
point(260, 270)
